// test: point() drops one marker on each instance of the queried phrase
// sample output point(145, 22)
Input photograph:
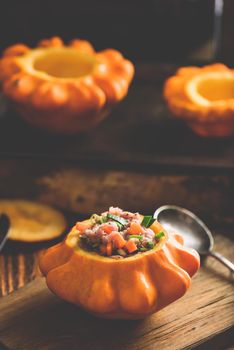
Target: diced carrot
point(135, 228)
point(109, 248)
point(103, 249)
point(81, 226)
point(131, 246)
point(109, 228)
point(118, 240)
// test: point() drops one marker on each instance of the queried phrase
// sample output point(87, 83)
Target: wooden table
point(16, 270)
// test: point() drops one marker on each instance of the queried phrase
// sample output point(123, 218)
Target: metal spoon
point(195, 233)
point(4, 229)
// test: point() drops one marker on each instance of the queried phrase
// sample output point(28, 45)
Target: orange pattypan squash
point(129, 288)
point(66, 89)
point(204, 98)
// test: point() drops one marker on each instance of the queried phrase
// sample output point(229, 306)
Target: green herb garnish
point(120, 226)
point(150, 245)
point(160, 235)
point(103, 219)
point(99, 219)
point(118, 219)
point(142, 249)
point(136, 236)
point(147, 221)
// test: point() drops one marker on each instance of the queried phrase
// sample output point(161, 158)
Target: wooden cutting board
point(33, 318)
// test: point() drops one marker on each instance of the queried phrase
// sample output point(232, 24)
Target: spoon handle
point(223, 260)
point(4, 229)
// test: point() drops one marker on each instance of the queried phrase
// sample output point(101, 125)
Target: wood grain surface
point(33, 318)
point(86, 189)
point(16, 270)
point(140, 132)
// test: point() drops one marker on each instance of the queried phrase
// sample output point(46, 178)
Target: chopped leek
point(135, 236)
point(160, 235)
point(147, 221)
point(118, 219)
point(150, 245)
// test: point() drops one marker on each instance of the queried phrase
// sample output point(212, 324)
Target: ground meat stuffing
point(118, 234)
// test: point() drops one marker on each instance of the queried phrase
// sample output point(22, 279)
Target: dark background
point(162, 30)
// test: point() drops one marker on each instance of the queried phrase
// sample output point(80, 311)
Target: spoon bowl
point(195, 233)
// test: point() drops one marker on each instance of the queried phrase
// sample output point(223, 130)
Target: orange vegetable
point(109, 249)
point(118, 240)
point(135, 228)
point(103, 249)
point(109, 228)
point(204, 98)
point(64, 88)
point(131, 246)
point(83, 225)
point(133, 287)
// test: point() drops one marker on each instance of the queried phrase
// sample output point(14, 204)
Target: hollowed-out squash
point(204, 98)
point(66, 89)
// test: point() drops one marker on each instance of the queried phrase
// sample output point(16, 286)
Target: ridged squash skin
point(213, 117)
point(130, 288)
point(53, 95)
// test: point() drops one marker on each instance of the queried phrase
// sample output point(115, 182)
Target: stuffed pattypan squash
point(120, 265)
